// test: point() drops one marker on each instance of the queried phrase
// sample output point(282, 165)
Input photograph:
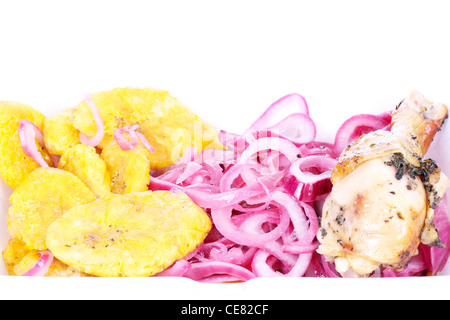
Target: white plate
point(228, 63)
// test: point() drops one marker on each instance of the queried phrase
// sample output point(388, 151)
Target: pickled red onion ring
point(226, 251)
point(283, 146)
point(28, 134)
point(296, 249)
point(304, 242)
point(318, 148)
point(306, 185)
point(257, 203)
point(233, 173)
point(133, 138)
point(145, 142)
point(298, 128)
point(207, 196)
point(281, 109)
point(223, 222)
point(322, 268)
point(191, 169)
point(124, 143)
point(358, 125)
point(178, 269)
point(262, 268)
point(203, 270)
point(215, 250)
point(95, 140)
point(42, 266)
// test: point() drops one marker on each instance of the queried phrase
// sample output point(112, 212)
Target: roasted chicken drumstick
point(384, 193)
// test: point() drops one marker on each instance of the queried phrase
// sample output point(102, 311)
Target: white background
point(228, 61)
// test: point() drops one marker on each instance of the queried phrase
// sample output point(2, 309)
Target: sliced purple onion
point(203, 270)
point(279, 110)
point(42, 266)
point(132, 141)
point(178, 269)
point(358, 125)
point(307, 185)
point(28, 134)
point(97, 139)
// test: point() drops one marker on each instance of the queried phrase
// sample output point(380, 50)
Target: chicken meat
point(384, 193)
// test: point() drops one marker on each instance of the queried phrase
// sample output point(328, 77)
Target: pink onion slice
point(229, 139)
point(132, 141)
point(301, 249)
point(322, 268)
point(306, 185)
point(257, 238)
point(318, 148)
point(262, 268)
point(203, 270)
point(178, 269)
point(218, 156)
point(416, 267)
point(191, 169)
point(295, 210)
point(267, 145)
point(208, 196)
point(216, 251)
point(28, 134)
point(257, 203)
point(304, 242)
point(145, 142)
point(226, 183)
point(298, 128)
point(356, 126)
point(41, 267)
point(279, 110)
point(124, 143)
point(224, 250)
point(94, 141)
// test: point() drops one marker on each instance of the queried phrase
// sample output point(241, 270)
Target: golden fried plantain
point(18, 260)
point(137, 234)
point(129, 170)
point(15, 165)
point(170, 127)
point(84, 162)
point(43, 196)
point(14, 252)
point(59, 134)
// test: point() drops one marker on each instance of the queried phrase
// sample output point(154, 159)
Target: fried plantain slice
point(137, 234)
point(14, 252)
point(18, 260)
point(84, 162)
point(170, 127)
point(59, 134)
point(129, 170)
point(44, 196)
point(15, 165)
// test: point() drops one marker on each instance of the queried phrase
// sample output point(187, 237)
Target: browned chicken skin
point(384, 193)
